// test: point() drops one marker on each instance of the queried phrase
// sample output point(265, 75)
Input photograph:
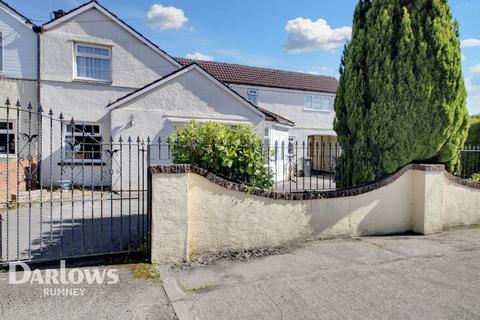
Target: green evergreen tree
point(401, 96)
point(473, 138)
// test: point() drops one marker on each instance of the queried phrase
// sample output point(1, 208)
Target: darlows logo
point(61, 276)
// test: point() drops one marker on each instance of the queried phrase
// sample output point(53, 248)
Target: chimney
point(58, 13)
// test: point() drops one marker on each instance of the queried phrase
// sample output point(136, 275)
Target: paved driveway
point(402, 277)
point(88, 225)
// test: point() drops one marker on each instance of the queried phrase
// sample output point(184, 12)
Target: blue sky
point(301, 35)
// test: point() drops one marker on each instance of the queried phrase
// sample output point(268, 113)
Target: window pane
point(252, 99)
point(326, 103)
point(84, 49)
point(4, 138)
point(317, 102)
point(308, 101)
point(100, 51)
point(3, 125)
point(93, 63)
point(83, 146)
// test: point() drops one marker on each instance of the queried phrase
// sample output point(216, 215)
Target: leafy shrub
point(475, 178)
point(401, 91)
point(473, 138)
point(233, 152)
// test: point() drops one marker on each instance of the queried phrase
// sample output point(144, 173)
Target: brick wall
point(23, 169)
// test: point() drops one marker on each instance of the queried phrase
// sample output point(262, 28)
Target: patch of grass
point(198, 289)
point(145, 271)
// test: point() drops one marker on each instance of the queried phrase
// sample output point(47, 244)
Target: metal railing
point(469, 162)
point(70, 189)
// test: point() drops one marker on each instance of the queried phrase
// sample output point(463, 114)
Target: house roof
point(94, 4)
point(132, 95)
point(12, 11)
point(265, 77)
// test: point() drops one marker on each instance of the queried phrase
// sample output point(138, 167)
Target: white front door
point(279, 150)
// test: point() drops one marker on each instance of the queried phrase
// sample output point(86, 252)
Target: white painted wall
point(20, 51)
point(133, 65)
point(291, 105)
point(189, 96)
point(193, 216)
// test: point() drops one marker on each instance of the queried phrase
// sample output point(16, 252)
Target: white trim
point(202, 119)
point(10, 132)
point(279, 89)
point(16, 16)
point(88, 45)
point(179, 73)
point(132, 31)
point(67, 133)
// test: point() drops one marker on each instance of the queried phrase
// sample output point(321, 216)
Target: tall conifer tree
point(401, 96)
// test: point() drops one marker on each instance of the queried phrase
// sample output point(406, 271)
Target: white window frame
point(252, 96)
point(12, 132)
point(76, 54)
point(67, 133)
point(309, 106)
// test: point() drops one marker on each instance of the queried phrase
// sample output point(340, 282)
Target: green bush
point(475, 178)
point(401, 94)
point(473, 138)
point(232, 152)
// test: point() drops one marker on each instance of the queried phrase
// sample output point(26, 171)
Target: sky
point(300, 35)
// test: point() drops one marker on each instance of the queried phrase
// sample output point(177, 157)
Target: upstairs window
point(252, 96)
point(93, 63)
point(7, 138)
point(83, 146)
point(318, 103)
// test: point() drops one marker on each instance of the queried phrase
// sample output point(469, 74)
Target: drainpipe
point(38, 31)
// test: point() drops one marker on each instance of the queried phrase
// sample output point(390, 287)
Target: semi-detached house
point(96, 69)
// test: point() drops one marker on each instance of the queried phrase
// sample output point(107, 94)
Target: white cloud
point(475, 69)
point(316, 70)
point(473, 98)
point(199, 56)
point(165, 17)
point(470, 43)
point(307, 35)
point(473, 89)
point(244, 57)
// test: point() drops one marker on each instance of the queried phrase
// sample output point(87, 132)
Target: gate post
point(169, 211)
point(428, 199)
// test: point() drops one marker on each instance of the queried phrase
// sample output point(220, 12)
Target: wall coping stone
point(461, 181)
point(305, 195)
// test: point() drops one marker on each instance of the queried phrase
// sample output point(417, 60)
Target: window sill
point(80, 164)
point(93, 81)
point(319, 111)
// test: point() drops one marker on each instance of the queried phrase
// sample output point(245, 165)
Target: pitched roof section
point(12, 11)
point(132, 95)
point(264, 77)
point(94, 4)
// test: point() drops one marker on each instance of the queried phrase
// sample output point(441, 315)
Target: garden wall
point(195, 212)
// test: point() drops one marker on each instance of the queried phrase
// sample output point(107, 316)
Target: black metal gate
point(69, 189)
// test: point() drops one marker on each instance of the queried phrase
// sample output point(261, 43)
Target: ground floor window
point(83, 143)
point(7, 138)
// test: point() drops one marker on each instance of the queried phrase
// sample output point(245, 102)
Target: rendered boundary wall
point(195, 212)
